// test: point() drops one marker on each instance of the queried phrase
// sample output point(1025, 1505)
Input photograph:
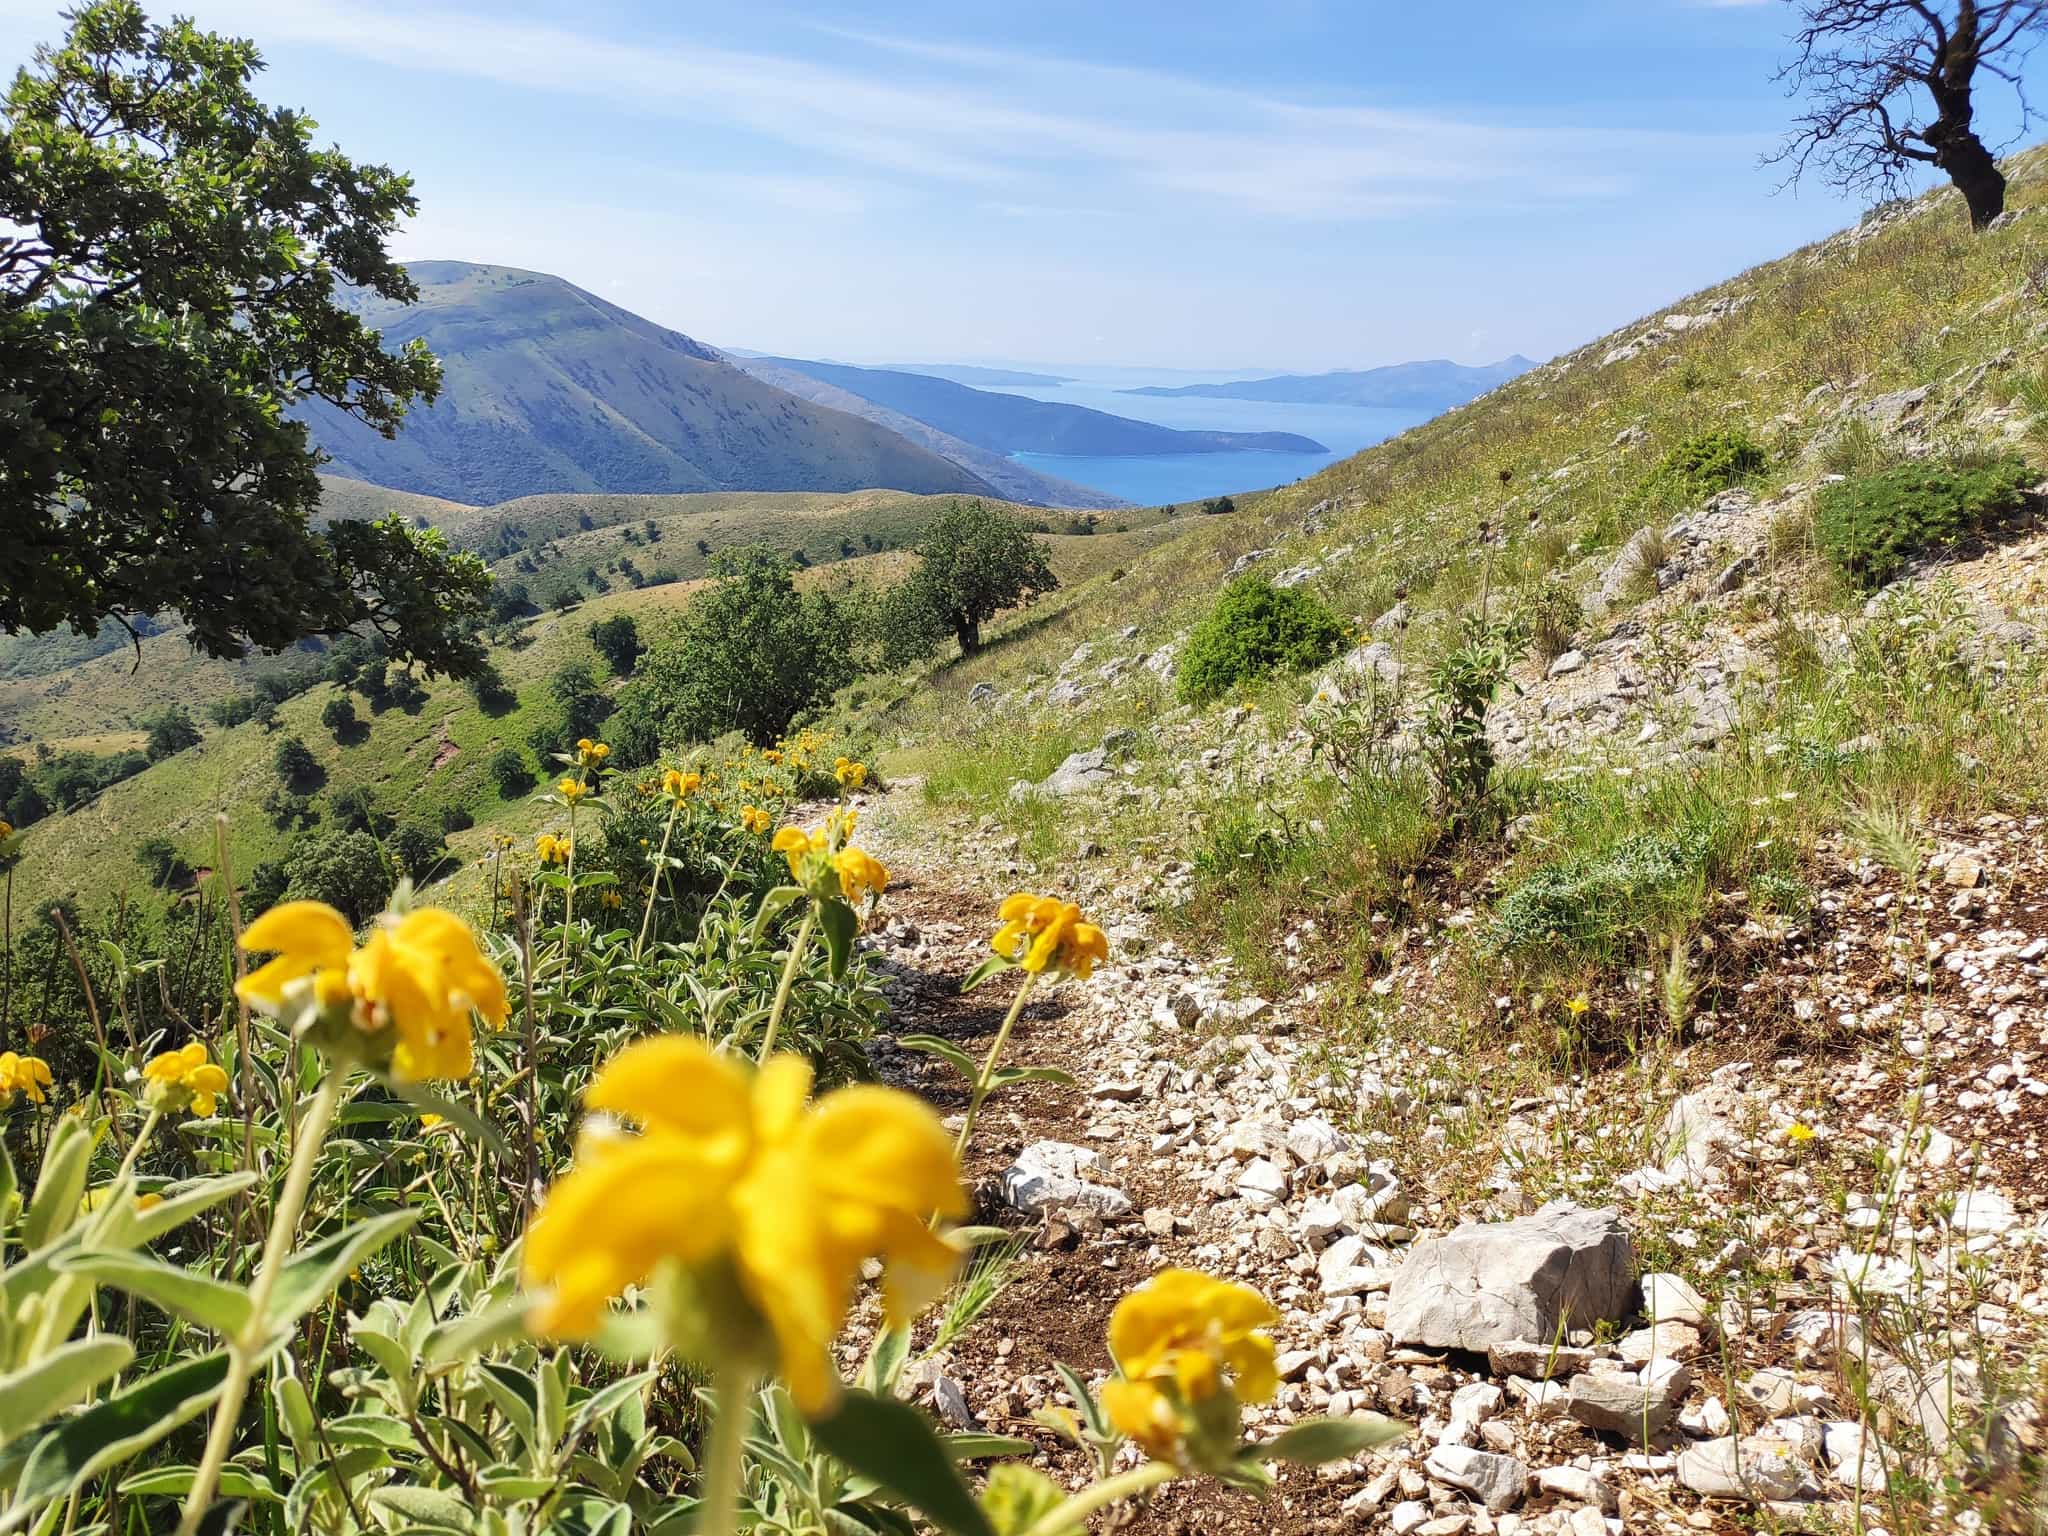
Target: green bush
point(511, 772)
point(1871, 525)
point(1704, 463)
point(1255, 629)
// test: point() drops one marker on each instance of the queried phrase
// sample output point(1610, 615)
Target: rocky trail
point(1781, 1285)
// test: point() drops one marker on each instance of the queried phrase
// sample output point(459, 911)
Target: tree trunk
point(968, 633)
point(1976, 175)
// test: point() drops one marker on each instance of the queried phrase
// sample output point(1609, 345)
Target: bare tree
point(1864, 65)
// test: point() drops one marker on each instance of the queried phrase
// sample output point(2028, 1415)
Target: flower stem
point(141, 1139)
point(1112, 1490)
point(246, 1347)
point(797, 946)
point(569, 887)
point(654, 884)
point(718, 1498)
point(988, 1067)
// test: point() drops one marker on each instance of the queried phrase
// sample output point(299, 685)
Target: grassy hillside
point(548, 388)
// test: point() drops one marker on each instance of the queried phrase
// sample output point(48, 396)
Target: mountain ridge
point(1426, 384)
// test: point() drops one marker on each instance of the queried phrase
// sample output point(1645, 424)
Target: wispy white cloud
point(1023, 129)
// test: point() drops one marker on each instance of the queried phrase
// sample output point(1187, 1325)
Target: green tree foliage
point(618, 642)
point(748, 655)
point(415, 848)
point(1870, 526)
point(339, 716)
point(1255, 629)
point(493, 695)
point(355, 810)
point(581, 708)
point(511, 772)
point(347, 870)
point(296, 765)
point(169, 267)
point(170, 730)
point(975, 561)
point(166, 866)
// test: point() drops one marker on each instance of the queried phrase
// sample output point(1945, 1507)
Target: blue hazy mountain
point(1435, 385)
point(970, 373)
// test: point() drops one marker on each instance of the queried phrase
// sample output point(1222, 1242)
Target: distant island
point(968, 373)
point(1434, 385)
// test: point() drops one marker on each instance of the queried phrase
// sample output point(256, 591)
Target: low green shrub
point(1254, 630)
point(1871, 525)
point(1594, 901)
point(1702, 464)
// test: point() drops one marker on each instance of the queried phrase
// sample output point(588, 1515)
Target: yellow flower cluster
point(768, 1202)
point(680, 786)
point(26, 1076)
point(6, 828)
point(552, 849)
point(851, 775)
point(408, 992)
point(571, 790)
point(1182, 1341)
point(817, 858)
point(1042, 931)
point(591, 754)
point(183, 1079)
point(755, 820)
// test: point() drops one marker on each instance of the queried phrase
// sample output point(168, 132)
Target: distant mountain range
point(1436, 385)
point(968, 373)
point(548, 388)
point(1008, 424)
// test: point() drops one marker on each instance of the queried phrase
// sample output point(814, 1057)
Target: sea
point(1149, 480)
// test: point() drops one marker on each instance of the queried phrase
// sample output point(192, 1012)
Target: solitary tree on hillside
point(171, 254)
point(1889, 84)
point(977, 560)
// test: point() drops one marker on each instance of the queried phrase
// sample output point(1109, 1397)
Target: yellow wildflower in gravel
point(755, 820)
point(1799, 1133)
point(1186, 1346)
point(770, 1203)
point(409, 991)
point(183, 1079)
point(1042, 931)
point(27, 1076)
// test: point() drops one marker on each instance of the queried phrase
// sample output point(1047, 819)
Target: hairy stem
point(797, 946)
point(718, 1500)
point(986, 1075)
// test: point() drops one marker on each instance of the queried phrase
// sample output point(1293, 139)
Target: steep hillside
point(1435, 385)
point(1004, 423)
point(548, 388)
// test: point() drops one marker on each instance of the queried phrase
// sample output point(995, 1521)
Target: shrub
point(339, 716)
point(1255, 629)
point(166, 866)
point(1455, 746)
point(1704, 463)
point(510, 772)
point(618, 642)
point(170, 730)
point(355, 810)
point(347, 870)
point(1871, 525)
point(296, 764)
point(1596, 901)
point(456, 818)
point(415, 848)
point(1552, 614)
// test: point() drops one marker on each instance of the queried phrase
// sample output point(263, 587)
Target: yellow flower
point(572, 790)
point(183, 1079)
point(1042, 931)
point(1579, 1005)
point(677, 785)
point(552, 849)
point(849, 773)
point(819, 861)
point(25, 1075)
point(796, 846)
point(611, 899)
point(431, 1121)
point(1180, 1341)
point(755, 820)
point(1799, 1133)
point(591, 753)
point(148, 1202)
point(859, 871)
point(6, 829)
point(772, 755)
point(770, 1203)
point(408, 992)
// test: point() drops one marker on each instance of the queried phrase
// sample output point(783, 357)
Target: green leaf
point(309, 1277)
point(195, 1297)
point(464, 1338)
point(885, 1360)
point(60, 1185)
point(179, 1208)
point(932, 1045)
point(1315, 1441)
point(1090, 1410)
point(773, 905)
point(30, 1395)
point(108, 1434)
point(235, 1483)
point(982, 1447)
point(457, 1113)
point(839, 923)
point(423, 1504)
point(1018, 1497)
point(1002, 1077)
point(895, 1445)
point(994, 965)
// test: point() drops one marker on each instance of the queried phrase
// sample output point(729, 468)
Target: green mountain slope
point(1004, 423)
point(1435, 385)
point(548, 388)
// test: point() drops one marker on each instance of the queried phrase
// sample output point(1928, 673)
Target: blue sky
point(1286, 185)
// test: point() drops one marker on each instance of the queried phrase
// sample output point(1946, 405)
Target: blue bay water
point(1152, 479)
